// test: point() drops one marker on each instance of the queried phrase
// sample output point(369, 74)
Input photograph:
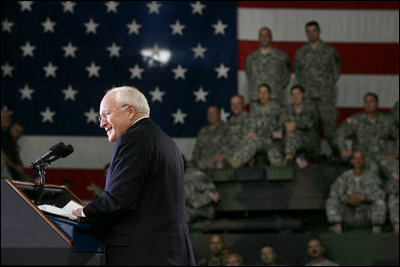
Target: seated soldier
point(215, 246)
point(268, 256)
point(236, 132)
point(259, 133)
point(200, 193)
point(392, 190)
point(300, 121)
point(315, 250)
point(356, 198)
point(209, 139)
point(370, 131)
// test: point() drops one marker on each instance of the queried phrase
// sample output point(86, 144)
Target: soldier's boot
point(396, 228)
point(336, 229)
point(376, 229)
point(288, 160)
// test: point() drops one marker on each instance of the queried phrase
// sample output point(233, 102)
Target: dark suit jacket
point(142, 212)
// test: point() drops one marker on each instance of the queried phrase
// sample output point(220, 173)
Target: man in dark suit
point(142, 212)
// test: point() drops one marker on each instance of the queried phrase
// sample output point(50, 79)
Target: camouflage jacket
point(395, 113)
point(346, 185)
point(317, 69)
point(209, 140)
point(272, 68)
point(306, 119)
point(368, 137)
point(264, 121)
point(197, 187)
point(237, 128)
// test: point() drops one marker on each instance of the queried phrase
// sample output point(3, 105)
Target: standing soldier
point(370, 131)
point(268, 65)
point(301, 124)
point(236, 132)
point(317, 67)
point(209, 139)
point(356, 198)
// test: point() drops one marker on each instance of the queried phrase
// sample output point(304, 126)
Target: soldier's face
point(297, 96)
point(263, 94)
point(264, 38)
point(16, 131)
point(237, 105)
point(213, 115)
point(268, 255)
point(312, 33)
point(232, 260)
point(215, 245)
point(314, 249)
point(357, 160)
point(370, 104)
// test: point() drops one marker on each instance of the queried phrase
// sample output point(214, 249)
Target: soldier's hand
point(250, 135)
point(393, 156)
point(346, 153)
point(198, 160)
point(218, 158)
point(356, 199)
point(290, 126)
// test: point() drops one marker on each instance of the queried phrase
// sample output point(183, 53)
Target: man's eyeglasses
point(107, 113)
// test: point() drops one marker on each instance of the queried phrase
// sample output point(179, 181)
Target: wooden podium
point(30, 236)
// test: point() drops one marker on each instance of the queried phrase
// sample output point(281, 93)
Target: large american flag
point(182, 55)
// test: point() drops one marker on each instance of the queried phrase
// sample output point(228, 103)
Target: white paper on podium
point(65, 211)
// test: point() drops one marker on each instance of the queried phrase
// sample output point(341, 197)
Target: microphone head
point(67, 151)
point(57, 149)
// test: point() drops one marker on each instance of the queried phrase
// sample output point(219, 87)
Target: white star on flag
point(197, 8)
point(199, 51)
point(91, 26)
point(177, 28)
point(222, 71)
point(26, 92)
point(157, 95)
point(114, 50)
point(134, 27)
point(26, 5)
point(224, 115)
point(179, 117)
point(153, 7)
point(179, 72)
point(91, 116)
point(48, 25)
point(200, 95)
point(136, 71)
point(219, 27)
point(27, 49)
point(50, 70)
point(111, 6)
point(47, 115)
point(69, 93)
point(69, 50)
point(7, 69)
point(68, 6)
point(155, 50)
point(6, 25)
point(93, 70)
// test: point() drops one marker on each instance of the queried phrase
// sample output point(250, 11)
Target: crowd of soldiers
point(284, 133)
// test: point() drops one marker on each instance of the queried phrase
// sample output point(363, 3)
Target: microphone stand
point(40, 171)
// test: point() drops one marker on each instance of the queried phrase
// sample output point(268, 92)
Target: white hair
point(132, 96)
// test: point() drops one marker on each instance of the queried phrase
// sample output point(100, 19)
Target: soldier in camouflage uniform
point(237, 128)
point(301, 124)
point(263, 122)
point(216, 246)
point(268, 65)
point(209, 139)
point(356, 198)
point(370, 131)
point(317, 68)
point(200, 194)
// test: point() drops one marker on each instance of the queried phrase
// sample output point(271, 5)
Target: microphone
point(66, 152)
point(55, 152)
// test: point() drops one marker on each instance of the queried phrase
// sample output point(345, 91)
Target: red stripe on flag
point(321, 4)
point(357, 58)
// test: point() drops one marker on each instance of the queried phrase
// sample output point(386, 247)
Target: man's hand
point(78, 212)
point(218, 158)
point(92, 187)
point(290, 126)
point(250, 135)
point(346, 153)
point(356, 199)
